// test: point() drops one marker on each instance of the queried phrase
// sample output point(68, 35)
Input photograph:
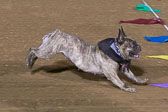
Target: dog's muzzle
point(135, 52)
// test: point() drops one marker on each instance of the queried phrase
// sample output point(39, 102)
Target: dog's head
point(127, 46)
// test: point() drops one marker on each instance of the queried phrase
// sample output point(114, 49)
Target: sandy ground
point(56, 85)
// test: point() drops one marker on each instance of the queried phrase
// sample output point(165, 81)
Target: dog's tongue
point(136, 56)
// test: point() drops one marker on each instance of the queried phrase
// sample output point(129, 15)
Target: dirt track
point(55, 85)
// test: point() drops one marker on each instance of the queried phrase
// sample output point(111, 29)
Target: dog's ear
point(121, 35)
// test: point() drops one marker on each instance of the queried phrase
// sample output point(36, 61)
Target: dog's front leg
point(113, 77)
point(131, 76)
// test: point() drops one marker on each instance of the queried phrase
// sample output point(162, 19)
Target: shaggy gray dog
point(87, 57)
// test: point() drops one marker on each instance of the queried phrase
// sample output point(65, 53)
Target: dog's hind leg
point(34, 54)
point(50, 46)
point(43, 52)
point(46, 50)
point(131, 76)
point(31, 58)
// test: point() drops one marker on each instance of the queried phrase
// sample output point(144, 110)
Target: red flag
point(144, 21)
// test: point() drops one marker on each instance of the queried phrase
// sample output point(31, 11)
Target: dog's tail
point(50, 35)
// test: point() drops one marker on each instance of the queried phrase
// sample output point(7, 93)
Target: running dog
point(107, 57)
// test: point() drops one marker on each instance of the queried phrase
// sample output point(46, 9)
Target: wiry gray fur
point(86, 57)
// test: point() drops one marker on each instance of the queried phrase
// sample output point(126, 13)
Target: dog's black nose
point(139, 47)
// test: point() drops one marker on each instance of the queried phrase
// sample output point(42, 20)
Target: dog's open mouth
point(134, 55)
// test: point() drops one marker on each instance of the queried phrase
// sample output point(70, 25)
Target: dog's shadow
point(64, 65)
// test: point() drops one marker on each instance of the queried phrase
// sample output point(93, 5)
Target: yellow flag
point(165, 57)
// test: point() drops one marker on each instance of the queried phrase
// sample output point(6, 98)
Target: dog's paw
point(30, 59)
point(129, 89)
point(142, 81)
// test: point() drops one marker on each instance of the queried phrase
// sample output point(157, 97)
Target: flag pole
point(154, 13)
